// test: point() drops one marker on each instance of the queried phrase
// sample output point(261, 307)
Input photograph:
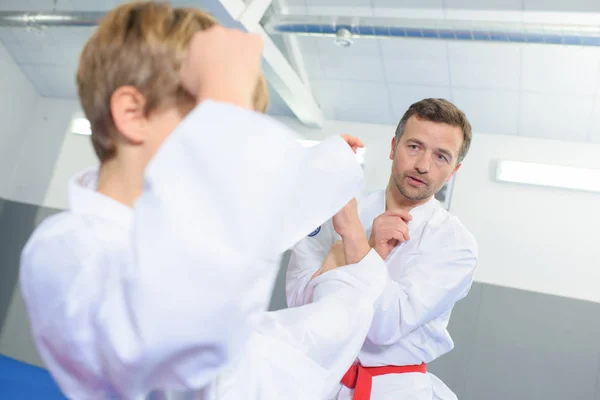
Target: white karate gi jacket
point(169, 298)
point(427, 275)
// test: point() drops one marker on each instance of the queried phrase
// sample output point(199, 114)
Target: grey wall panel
point(278, 298)
point(452, 367)
point(16, 224)
point(532, 346)
point(16, 340)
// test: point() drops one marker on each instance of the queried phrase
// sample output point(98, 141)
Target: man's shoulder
point(448, 227)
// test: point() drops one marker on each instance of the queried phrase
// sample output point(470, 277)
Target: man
point(157, 278)
point(430, 257)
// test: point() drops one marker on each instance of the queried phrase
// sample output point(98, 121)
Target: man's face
point(424, 158)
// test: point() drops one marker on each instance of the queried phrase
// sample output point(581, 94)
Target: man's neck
point(121, 181)
point(394, 200)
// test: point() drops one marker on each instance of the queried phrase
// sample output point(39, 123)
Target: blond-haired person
point(157, 278)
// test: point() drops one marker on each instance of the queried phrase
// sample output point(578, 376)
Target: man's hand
point(334, 259)
point(389, 230)
point(353, 142)
point(224, 65)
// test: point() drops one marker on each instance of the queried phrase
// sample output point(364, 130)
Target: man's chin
point(412, 194)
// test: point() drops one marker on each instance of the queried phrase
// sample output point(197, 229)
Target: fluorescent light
point(549, 175)
point(81, 126)
point(360, 152)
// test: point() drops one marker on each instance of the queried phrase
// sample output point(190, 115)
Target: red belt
point(360, 378)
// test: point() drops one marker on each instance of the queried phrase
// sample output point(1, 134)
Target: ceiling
point(549, 91)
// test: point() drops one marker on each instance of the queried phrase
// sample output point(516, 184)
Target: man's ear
point(453, 172)
point(393, 149)
point(127, 106)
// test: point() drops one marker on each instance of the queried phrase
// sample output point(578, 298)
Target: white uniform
point(427, 275)
point(163, 298)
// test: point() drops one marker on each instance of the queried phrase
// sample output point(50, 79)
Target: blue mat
point(21, 381)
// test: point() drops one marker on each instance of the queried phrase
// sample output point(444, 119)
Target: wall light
point(81, 126)
point(549, 175)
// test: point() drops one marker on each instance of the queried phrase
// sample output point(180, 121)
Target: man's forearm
point(356, 245)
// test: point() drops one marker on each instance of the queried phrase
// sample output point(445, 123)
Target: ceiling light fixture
point(343, 38)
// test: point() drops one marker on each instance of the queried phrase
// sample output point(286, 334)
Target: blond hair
point(140, 44)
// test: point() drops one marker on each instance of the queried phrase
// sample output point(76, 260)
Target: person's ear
point(127, 107)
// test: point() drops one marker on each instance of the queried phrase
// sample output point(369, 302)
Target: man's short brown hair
point(442, 111)
point(140, 44)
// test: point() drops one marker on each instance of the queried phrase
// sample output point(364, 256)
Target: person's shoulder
point(59, 229)
point(53, 252)
point(449, 228)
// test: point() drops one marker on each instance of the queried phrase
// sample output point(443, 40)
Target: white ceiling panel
point(37, 48)
point(415, 62)
point(360, 8)
point(296, 7)
point(559, 18)
point(364, 101)
point(485, 15)
point(23, 5)
point(562, 5)
point(482, 10)
point(581, 12)
point(489, 111)
point(564, 117)
point(480, 65)
point(359, 62)
point(560, 69)
point(89, 5)
point(402, 96)
point(492, 5)
point(409, 8)
point(311, 57)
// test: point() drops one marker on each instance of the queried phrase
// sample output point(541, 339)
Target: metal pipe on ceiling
point(344, 29)
point(46, 19)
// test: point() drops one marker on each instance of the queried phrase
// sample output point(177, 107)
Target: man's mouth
point(416, 181)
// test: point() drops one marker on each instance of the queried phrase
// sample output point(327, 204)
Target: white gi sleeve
point(306, 258)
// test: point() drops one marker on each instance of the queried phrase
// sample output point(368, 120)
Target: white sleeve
point(306, 350)
point(226, 194)
point(430, 284)
point(305, 259)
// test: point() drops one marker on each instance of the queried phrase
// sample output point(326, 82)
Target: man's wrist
point(356, 244)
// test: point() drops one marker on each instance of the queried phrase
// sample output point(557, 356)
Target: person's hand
point(334, 259)
point(353, 142)
point(223, 65)
point(389, 230)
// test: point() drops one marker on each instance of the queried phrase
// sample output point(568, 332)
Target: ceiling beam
point(254, 12)
point(278, 71)
point(292, 47)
